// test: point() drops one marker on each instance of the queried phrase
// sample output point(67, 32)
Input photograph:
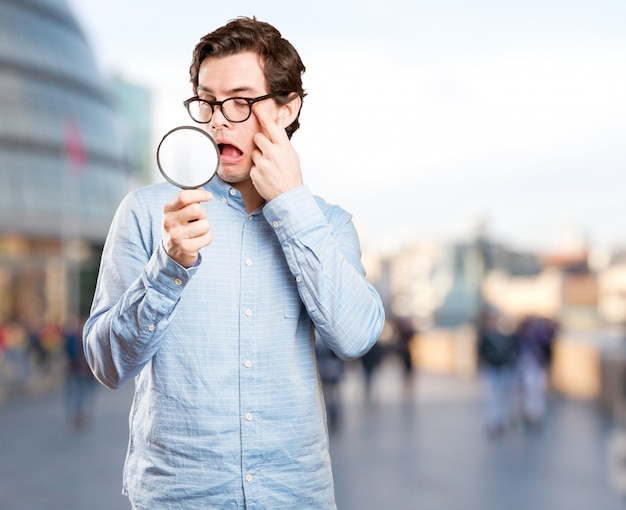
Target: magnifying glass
point(188, 157)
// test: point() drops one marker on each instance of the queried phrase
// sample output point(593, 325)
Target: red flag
point(75, 150)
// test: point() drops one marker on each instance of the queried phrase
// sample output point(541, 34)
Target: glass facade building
point(64, 163)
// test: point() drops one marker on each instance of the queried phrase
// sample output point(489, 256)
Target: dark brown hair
point(282, 65)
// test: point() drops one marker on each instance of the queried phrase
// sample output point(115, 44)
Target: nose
point(218, 119)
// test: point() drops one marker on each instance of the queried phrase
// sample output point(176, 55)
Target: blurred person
point(536, 336)
point(370, 362)
point(3, 346)
point(208, 299)
point(372, 359)
point(79, 381)
point(3, 341)
point(37, 351)
point(406, 335)
point(331, 368)
point(498, 351)
point(17, 360)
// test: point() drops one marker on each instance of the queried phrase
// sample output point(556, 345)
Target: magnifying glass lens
point(187, 157)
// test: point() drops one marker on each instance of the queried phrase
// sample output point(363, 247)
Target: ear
point(289, 112)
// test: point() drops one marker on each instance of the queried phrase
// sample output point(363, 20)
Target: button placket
point(248, 371)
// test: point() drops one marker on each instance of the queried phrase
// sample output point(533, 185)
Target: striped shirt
point(228, 410)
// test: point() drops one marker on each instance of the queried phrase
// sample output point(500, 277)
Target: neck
point(249, 194)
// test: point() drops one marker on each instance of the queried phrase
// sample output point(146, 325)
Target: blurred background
point(480, 146)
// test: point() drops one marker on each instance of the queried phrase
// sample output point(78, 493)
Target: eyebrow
point(230, 92)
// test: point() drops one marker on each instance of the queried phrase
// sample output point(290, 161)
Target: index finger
point(186, 197)
point(269, 122)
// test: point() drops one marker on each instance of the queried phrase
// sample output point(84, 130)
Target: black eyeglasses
point(235, 109)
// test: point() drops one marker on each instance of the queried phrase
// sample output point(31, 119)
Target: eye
point(239, 102)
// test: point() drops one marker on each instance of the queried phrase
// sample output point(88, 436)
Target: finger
point(186, 197)
point(184, 244)
point(192, 212)
point(195, 229)
point(177, 223)
point(272, 128)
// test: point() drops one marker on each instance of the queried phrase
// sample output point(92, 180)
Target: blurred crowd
point(40, 355)
point(514, 358)
point(28, 349)
point(397, 340)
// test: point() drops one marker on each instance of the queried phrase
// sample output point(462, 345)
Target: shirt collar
point(227, 194)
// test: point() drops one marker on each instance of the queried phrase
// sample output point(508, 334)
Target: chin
point(232, 175)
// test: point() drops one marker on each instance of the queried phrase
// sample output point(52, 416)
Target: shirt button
point(232, 192)
point(248, 312)
point(249, 477)
point(249, 417)
point(178, 281)
point(275, 224)
point(250, 218)
point(248, 363)
point(298, 279)
point(151, 327)
point(248, 262)
point(224, 200)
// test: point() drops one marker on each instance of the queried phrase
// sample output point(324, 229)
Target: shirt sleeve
point(138, 289)
point(323, 253)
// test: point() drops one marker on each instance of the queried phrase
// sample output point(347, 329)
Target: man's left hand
point(276, 165)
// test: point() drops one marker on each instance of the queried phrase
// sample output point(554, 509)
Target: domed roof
point(61, 156)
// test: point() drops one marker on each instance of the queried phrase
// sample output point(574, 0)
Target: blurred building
point(65, 160)
point(134, 115)
point(442, 288)
point(444, 285)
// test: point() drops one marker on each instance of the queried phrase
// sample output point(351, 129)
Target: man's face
point(239, 75)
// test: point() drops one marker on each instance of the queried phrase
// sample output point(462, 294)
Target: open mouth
point(229, 152)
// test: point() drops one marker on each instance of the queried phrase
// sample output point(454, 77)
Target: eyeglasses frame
point(250, 100)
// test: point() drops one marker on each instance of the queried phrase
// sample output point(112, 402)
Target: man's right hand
point(186, 229)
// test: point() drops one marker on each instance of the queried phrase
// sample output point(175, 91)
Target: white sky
point(424, 117)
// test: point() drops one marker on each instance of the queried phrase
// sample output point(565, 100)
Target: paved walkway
point(428, 452)
point(431, 452)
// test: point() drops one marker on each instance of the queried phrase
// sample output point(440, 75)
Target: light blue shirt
point(228, 410)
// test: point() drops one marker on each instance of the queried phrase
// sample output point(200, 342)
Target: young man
point(210, 301)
